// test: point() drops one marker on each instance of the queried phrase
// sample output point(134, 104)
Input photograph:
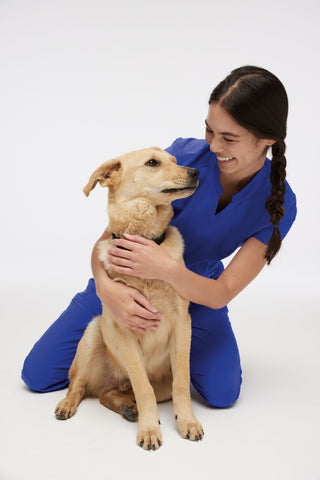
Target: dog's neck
point(138, 217)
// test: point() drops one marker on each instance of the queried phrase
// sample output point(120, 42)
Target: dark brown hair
point(257, 100)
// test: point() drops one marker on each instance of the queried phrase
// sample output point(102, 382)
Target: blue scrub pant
point(214, 359)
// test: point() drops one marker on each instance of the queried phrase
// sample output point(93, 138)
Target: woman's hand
point(128, 306)
point(139, 257)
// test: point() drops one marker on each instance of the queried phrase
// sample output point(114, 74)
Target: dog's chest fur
point(154, 344)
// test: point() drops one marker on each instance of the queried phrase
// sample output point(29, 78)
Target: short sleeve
point(175, 147)
point(285, 224)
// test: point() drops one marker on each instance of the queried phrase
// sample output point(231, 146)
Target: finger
point(141, 312)
point(139, 322)
point(119, 261)
point(123, 270)
point(137, 329)
point(137, 239)
point(121, 242)
point(119, 252)
point(144, 302)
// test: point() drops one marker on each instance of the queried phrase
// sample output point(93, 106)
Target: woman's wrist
point(170, 271)
point(103, 283)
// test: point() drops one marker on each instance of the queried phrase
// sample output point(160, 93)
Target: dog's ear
point(157, 148)
point(104, 175)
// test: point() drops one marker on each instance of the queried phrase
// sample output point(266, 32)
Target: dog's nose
point(193, 173)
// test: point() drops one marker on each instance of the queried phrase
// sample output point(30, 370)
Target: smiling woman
point(243, 200)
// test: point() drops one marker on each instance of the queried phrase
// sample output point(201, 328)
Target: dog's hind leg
point(68, 406)
point(120, 402)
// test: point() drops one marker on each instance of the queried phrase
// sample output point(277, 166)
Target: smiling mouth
point(173, 190)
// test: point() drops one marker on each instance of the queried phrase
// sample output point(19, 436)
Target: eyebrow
point(222, 133)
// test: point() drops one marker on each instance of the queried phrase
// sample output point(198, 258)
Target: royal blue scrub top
point(209, 236)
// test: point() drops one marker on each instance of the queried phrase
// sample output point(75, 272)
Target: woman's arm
point(127, 305)
point(242, 269)
point(148, 260)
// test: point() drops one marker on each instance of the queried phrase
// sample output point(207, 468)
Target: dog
point(130, 371)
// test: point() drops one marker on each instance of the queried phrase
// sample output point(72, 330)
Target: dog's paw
point(130, 412)
point(149, 439)
point(192, 429)
point(65, 409)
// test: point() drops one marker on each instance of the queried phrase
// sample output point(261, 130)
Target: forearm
point(143, 258)
point(99, 273)
point(242, 269)
point(195, 288)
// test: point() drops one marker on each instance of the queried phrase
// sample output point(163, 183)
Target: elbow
point(222, 296)
point(217, 305)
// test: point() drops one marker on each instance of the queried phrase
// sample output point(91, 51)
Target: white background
point(83, 81)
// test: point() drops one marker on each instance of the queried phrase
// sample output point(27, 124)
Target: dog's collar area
point(157, 240)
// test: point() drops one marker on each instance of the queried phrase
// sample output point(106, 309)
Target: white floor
point(272, 432)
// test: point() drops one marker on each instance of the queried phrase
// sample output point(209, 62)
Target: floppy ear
point(157, 148)
point(105, 175)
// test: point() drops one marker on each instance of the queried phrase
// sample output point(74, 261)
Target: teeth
point(224, 159)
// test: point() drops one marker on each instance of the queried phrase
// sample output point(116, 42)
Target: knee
point(38, 378)
point(221, 395)
point(222, 398)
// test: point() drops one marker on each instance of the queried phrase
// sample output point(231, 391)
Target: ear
point(105, 175)
point(157, 148)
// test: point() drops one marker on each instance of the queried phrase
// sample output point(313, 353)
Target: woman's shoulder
point(187, 146)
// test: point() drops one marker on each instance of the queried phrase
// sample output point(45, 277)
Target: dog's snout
point(193, 173)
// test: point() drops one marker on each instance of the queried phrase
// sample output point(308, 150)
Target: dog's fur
point(129, 371)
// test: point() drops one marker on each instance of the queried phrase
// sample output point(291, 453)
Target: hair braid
point(274, 204)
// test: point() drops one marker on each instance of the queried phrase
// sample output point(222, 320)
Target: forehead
point(141, 156)
point(219, 120)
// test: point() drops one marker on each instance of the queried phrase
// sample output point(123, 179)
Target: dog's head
point(150, 173)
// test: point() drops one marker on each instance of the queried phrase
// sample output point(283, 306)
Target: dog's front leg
point(188, 425)
point(149, 434)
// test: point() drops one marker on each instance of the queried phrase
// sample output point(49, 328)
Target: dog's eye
point(152, 163)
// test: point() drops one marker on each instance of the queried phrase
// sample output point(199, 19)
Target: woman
point(242, 201)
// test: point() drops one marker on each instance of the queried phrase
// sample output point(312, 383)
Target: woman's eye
point(152, 163)
point(227, 139)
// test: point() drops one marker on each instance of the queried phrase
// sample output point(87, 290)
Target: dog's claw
point(128, 413)
point(61, 416)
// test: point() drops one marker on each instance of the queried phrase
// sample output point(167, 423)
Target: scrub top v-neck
point(210, 236)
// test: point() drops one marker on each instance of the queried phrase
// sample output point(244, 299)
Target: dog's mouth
point(183, 189)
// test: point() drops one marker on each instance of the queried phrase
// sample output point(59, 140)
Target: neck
point(138, 217)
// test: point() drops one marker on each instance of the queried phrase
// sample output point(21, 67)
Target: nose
point(193, 173)
point(214, 145)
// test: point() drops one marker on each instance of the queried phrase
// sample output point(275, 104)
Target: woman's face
point(240, 154)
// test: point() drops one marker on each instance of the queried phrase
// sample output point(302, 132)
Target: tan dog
point(130, 371)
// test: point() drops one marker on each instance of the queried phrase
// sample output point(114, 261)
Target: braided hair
point(257, 100)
